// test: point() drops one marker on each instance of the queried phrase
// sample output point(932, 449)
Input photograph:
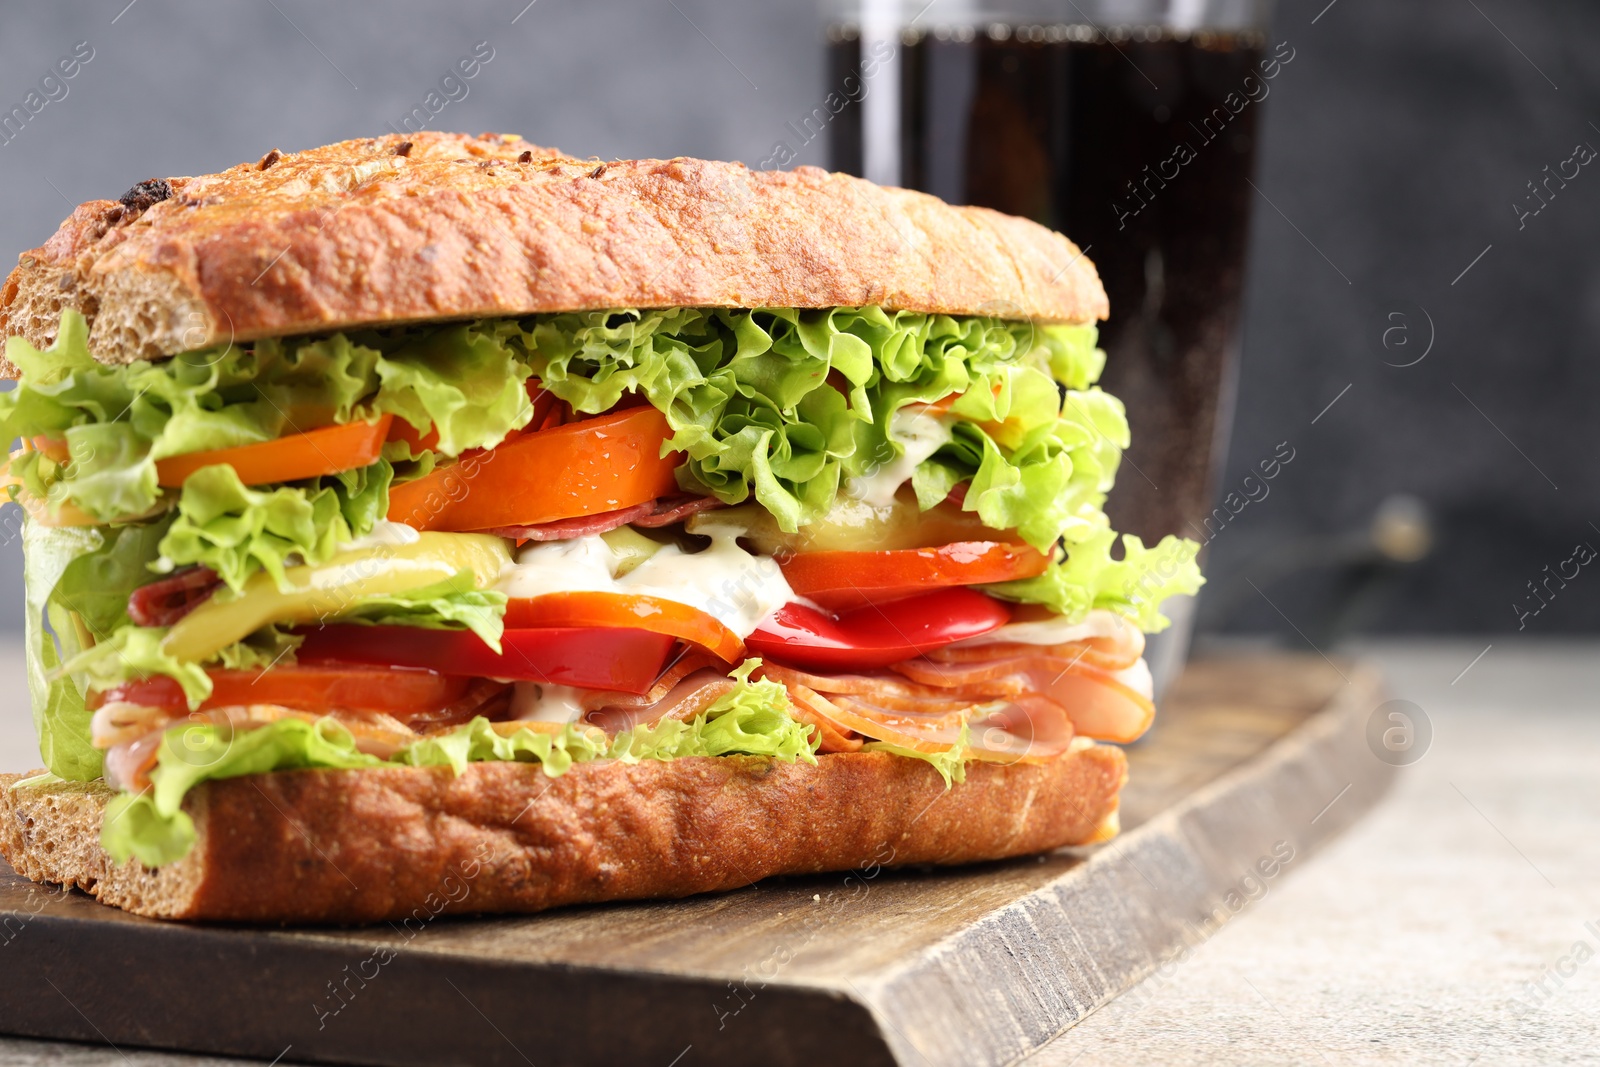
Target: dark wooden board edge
point(1025, 973)
point(190, 998)
point(989, 994)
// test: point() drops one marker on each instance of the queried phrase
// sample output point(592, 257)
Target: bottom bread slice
point(388, 843)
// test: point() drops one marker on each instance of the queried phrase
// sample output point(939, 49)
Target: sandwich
point(424, 505)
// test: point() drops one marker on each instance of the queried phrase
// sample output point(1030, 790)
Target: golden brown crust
point(355, 233)
point(354, 846)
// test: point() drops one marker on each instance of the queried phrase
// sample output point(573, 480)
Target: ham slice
point(1100, 703)
point(1005, 721)
point(688, 698)
point(804, 705)
point(1103, 653)
point(671, 509)
point(484, 696)
point(690, 684)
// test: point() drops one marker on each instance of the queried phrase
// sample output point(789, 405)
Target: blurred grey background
point(1393, 152)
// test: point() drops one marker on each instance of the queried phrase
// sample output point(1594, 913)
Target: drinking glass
point(1128, 125)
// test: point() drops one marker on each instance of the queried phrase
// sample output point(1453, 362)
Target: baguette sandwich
point(445, 510)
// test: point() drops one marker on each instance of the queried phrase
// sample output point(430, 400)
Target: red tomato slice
point(624, 610)
point(876, 636)
point(288, 459)
point(402, 692)
point(583, 468)
point(845, 580)
point(624, 660)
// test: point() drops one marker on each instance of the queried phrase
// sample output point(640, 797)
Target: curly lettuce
point(465, 382)
point(270, 646)
point(752, 719)
point(1048, 481)
point(951, 763)
point(96, 584)
point(60, 717)
point(1085, 576)
point(237, 531)
point(479, 742)
point(786, 405)
point(134, 653)
point(453, 604)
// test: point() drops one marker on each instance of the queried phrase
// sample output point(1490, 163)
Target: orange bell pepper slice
point(628, 611)
point(328, 450)
point(583, 468)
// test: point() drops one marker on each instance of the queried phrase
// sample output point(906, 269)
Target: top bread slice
point(445, 226)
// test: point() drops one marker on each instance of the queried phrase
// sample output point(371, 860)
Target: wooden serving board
point(1253, 764)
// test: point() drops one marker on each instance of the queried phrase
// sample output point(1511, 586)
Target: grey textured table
point(1450, 927)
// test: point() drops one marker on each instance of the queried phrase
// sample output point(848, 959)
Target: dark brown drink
point(1136, 143)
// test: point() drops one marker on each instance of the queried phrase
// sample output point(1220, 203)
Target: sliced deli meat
point(885, 707)
point(1108, 705)
point(164, 602)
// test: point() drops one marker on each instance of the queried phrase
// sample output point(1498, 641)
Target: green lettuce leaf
point(746, 394)
point(111, 473)
point(1051, 479)
point(1074, 360)
point(59, 716)
point(466, 382)
point(236, 530)
point(97, 584)
point(1085, 576)
point(951, 763)
point(752, 719)
point(153, 826)
point(454, 604)
point(118, 421)
point(477, 742)
point(134, 653)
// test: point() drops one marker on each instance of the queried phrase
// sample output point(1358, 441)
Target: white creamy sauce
point(919, 435)
point(543, 702)
point(738, 588)
point(1056, 631)
point(578, 565)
